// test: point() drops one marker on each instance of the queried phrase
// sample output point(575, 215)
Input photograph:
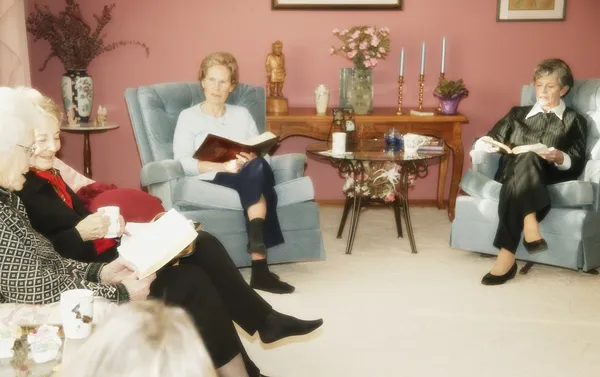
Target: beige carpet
point(391, 313)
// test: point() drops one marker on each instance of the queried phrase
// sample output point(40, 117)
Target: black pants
point(524, 179)
point(253, 180)
point(210, 288)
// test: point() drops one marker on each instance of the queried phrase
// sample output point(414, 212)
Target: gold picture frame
point(336, 4)
point(531, 10)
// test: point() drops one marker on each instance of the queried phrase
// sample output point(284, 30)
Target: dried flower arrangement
point(380, 182)
point(365, 46)
point(71, 38)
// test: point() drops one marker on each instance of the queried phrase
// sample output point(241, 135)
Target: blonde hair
point(142, 339)
point(220, 58)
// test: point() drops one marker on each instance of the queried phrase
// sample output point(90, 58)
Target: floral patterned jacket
point(32, 272)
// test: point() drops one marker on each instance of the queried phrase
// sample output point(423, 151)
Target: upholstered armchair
point(572, 227)
point(154, 111)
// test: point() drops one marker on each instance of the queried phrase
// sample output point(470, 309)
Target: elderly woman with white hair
point(142, 339)
point(33, 272)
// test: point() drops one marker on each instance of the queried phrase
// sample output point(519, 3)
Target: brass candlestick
point(400, 88)
point(439, 109)
point(421, 87)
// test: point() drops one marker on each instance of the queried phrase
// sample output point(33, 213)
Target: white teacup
point(338, 145)
point(412, 142)
point(77, 313)
point(113, 214)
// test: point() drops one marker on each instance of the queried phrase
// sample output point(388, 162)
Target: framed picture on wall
point(531, 10)
point(336, 4)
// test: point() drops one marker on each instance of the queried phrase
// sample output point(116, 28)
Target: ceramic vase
point(78, 92)
point(449, 106)
point(321, 99)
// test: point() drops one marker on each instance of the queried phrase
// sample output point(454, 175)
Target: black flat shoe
point(536, 246)
point(490, 279)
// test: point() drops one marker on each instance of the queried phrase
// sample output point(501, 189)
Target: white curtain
point(14, 54)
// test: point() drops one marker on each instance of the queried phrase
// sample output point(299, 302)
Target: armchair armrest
point(591, 174)
point(489, 166)
point(160, 172)
point(288, 166)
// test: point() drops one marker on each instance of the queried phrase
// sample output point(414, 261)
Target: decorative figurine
point(101, 115)
point(71, 118)
point(275, 64)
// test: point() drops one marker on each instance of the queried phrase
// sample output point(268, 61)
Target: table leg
point(347, 205)
point(442, 179)
point(404, 184)
point(458, 156)
point(87, 155)
point(397, 206)
point(353, 223)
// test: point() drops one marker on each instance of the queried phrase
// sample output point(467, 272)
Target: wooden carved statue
point(275, 65)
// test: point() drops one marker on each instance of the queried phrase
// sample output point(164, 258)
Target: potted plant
point(75, 43)
point(449, 93)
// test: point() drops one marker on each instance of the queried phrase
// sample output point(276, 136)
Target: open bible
point(537, 148)
point(152, 245)
point(220, 149)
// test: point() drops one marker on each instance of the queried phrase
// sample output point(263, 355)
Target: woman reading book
point(207, 284)
point(524, 199)
point(249, 175)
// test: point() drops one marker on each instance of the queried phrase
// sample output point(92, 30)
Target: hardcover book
point(221, 149)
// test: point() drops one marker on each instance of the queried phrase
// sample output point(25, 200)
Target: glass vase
point(356, 89)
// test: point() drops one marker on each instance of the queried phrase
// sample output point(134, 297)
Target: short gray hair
point(19, 115)
point(558, 67)
point(142, 339)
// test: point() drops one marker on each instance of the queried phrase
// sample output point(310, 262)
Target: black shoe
point(490, 279)
point(536, 246)
point(278, 326)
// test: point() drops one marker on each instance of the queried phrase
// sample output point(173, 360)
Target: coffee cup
point(77, 313)
point(338, 145)
point(113, 214)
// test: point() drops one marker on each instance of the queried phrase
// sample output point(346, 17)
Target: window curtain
point(14, 53)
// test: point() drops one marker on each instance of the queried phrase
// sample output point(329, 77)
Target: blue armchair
point(572, 227)
point(154, 111)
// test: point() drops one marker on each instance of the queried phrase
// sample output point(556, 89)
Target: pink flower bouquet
point(365, 46)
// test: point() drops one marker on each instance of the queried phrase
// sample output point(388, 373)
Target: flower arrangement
point(380, 181)
point(72, 40)
point(365, 46)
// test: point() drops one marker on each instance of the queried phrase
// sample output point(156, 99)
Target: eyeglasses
point(28, 150)
point(220, 84)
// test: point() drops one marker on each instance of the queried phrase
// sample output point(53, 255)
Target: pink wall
point(494, 59)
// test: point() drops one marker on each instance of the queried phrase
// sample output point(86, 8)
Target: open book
point(152, 245)
point(220, 149)
point(537, 148)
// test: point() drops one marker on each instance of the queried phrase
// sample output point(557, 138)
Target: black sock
point(263, 279)
point(278, 326)
point(256, 236)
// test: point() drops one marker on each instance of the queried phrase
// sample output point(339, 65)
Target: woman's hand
point(116, 271)
point(243, 158)
point(138, 289)
point(232, 166)
point(483, 144)
point(94, 226)
point(553, 155)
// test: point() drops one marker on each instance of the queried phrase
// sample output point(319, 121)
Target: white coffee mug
point(338, 145)
point(113, 214)
point(77, 313)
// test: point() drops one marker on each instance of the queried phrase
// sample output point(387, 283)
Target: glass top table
point(360, 153)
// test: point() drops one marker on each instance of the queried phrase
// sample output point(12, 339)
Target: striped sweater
point(32, 272)
point(568, 135)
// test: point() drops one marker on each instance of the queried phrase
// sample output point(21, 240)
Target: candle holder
point(400, 88)
point(439, 109)
point(421, 87)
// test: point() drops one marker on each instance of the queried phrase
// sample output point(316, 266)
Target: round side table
point(86, 129)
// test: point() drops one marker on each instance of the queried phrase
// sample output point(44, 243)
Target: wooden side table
point(303, 121)
point(88, 128)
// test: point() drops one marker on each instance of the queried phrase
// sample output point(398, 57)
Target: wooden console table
point(303, 121)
